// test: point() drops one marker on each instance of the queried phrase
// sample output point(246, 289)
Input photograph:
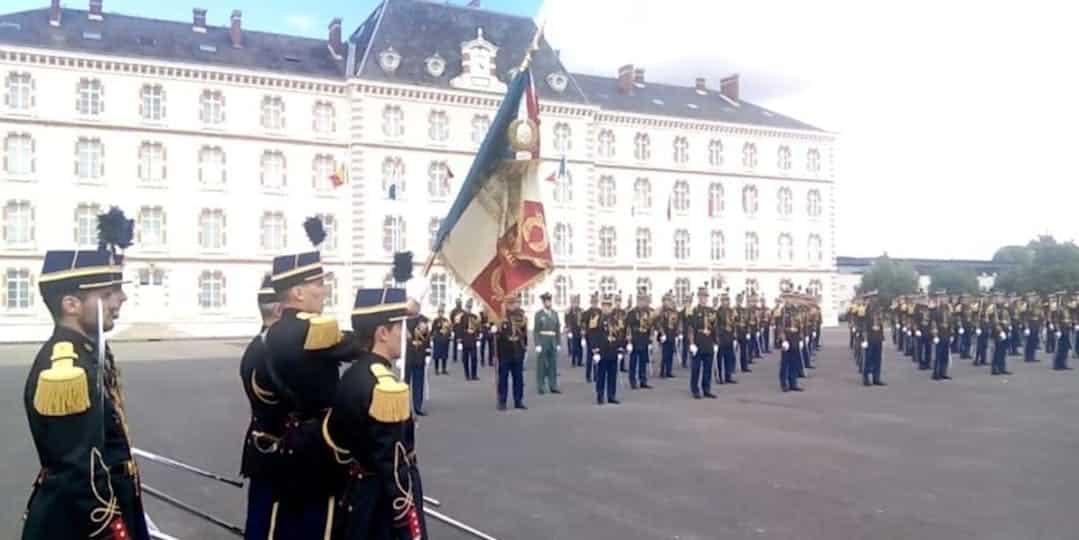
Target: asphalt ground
point(977, 457)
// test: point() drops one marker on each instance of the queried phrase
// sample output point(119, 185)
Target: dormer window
point(436, 66)
point(557, 82)
point(478, 70)
point(389, 60)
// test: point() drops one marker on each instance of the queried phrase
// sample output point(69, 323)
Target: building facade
point(220, 141)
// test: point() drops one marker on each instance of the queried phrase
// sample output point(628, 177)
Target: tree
point(889, 279)
point(1043, 265)
point(1013, 255)
point(952, 280)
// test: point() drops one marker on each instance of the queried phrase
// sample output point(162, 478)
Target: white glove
point(865, 344)
point(909, 333)
point(570, 335)
point(427, 361)
point(786, 345)
point(1026, 332)
point(918, 333)
point(936, 340)
point(758, 335)
point(814, 335)
point(539, 349)
point(693, 349)
point(897, 325)
point(583, 343)
point(904, 329)
point(978, 331)
point(460, 347)
point(962, 330)
point(619, 357)
point(715, 349)
point(853, 331)
point(1009, 328)
point(1003, 336)
point(595, 358)
point(1077, 328)
point(629, 348)
point(747, 336)
point(1050, 326)
point(1058, 334)
point(663, 339)
point(805, 340)
point(558, 348)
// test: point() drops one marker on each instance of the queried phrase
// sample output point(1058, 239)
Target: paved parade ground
point(977, 457)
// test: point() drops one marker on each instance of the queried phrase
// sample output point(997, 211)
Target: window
point(784, 202)
point(274, 232)
point(563, 187)
point(716, 282)
point(86, 225)
point(19, 158)
point(606, 144)
point(273, 113)
point(330, 300)
point(607, 285)
point(152, 163)
point(329, 223)
point(91, 97)
point(212, 107)
point(644, 243)
point(563, 138)
point(752, 286)
point(89, 159)
point(815, 249)
point(786, 285)
point(274, 171)
point(718, 249)
point(562, 287)
point(393, 234)
point(212, 229)
point(322, 168)
point(480, 124)
point(438, 180)
point(715, 153)
point(681, 290)
point(607, 192)
point(393, 121)
point(212, 166)
point(783, 158)
point(438, 128)
point(528, 297)
point(681, 244)
point(323, 117)
point(393, 178)
point(644, 285)
point(17, 289)
point(439, 291)
point(642, 147)
point(19, 91)
point(813, 203)
point(749, 155)
point(681, 150)
point(786, 248)
point(563, 240)
point(642, 195)
point(815, 288)
point(716, 204)
point(813, 160)
point(432, 232)
point(152, 228)
point(750, 202)
point(212, 290)
point(753, 247)
point(607, 242)
point(152, 107)
point(18, 224)
point(680, 200)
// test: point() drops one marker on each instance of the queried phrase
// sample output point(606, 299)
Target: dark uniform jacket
point(573, 322)
point(607, 334)
point(441, 330)
point(370, 429)
point(669, 323)
point(640, 323)
point(513, 336)
point(590, 317)
point(703, 324)
point(456, 321)
point(469, 330)
point(88, 486)
point(267, 412)
point(419, 342)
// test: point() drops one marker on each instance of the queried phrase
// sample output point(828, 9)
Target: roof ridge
point(471, 9)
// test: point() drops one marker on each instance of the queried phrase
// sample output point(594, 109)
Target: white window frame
point(438, 126)
point(273, 170)
point(152, 106)
point(481, 123)
point(717, 200)
point(749, 155)
point(681, 245)
point(212, 107)
point(393, 121)
point(212, 290)
point(715, 153)
point(563, 240)
point(751, 200)
point(90, 97)
point(607, 192)
point(23, 298)
point(273, 228)
point(20, 155)
point(149, 218)
point(153, 168)
point(642, 195)
point(86, 225)
point(814, 203)
point(644, 243)
point(563, 138)
point(608, 242)
point(394, 234)
point(89, 160)
point(683, 290)
point(681, 150)
point(680, 197)
point(213, 230)
point(783, 158)
point(562, 287)
point(439, 289)
point(393, 174)
point(438, 181)
point(273, 113)
point(785, 248)
point(606, 144)
point(752, 247)
point(20, 91)
point(19, 226)
point(785, 202)
point(213, 170)
point(329, 224)
point(642, 147)
point(718, 246)
point(324, 118)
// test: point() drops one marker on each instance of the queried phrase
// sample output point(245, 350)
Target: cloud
point(302, 23)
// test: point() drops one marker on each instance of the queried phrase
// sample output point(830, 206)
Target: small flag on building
point(668, 207)
point(338, 177)
point(562, 172)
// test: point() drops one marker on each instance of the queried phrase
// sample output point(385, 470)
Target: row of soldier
point(932, 328)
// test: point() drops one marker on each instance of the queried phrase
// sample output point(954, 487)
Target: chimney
point(336, 48)
point(728, 86)
point(54, 13)
point(199, 23)
point(701, 86)
point(95, 11)
point(625, 79)
point(236, 33)
point(638, 75)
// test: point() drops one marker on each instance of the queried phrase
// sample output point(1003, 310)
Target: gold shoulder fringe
point(390, 400)
point(322, 332)
point(63, 389)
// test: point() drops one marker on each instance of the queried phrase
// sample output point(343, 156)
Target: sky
point(953, 117)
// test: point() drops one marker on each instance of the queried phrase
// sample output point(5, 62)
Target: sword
point(458, 525)
point(150, 456)
point(234, 529)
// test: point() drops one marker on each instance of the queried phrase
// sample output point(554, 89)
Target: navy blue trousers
point(260, 498)
point(873, 361)
point(440, 353)
point(666, 366)
point(638, 365)
point(940, 359)
point(789, 362)
point(468, 361)
point(414, 377)
point(1060, 356)
point(1000, 356)
point(607, 377)
point(700, 375)
point(511, 368)
point(1031, 347)
point(726, 363)
point(576, 352)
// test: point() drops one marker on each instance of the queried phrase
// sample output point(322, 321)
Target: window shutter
point(33, 155)
point(224, 229)
point(141, 224)
point(101, 159)
point(224, 290)
point(142, 102)
point(224, 175)
point(6, 146)
point(262, 170)
point(142, 156)
point(163, 115)
point(164, 163)
point(164, 228)
point(314, 118)
point(8, 91)
point(5, 228)
point(222, 109)
point(264, 120)
point(202, 109)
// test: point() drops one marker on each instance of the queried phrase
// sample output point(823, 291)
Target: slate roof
point(417, 29)
point(139, 37)
point(670, 100)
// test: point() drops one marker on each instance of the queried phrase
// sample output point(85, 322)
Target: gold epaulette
point(390, 402)
point(62, 389)
point(593, 322)
point(322, 331)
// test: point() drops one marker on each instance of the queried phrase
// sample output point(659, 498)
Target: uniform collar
point(379, 359)
point(81, 341)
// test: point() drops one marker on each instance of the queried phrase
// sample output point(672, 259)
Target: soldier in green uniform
point(546, 329)
point(88, 485)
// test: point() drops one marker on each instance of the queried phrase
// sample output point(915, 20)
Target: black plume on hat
point(114, 230)
point(402, 266)
point(315, 230)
